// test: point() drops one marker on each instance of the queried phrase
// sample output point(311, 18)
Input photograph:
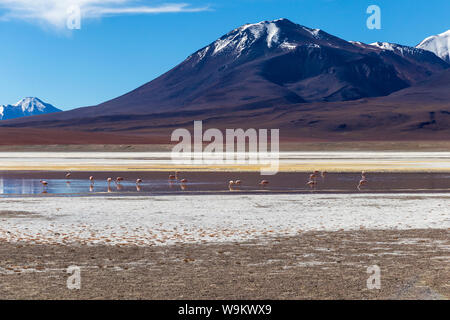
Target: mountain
point(26, 107)
point(275, 62)
point(438, 44)
point(277, 74)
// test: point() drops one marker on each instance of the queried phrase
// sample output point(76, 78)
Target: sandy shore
point(315, 265)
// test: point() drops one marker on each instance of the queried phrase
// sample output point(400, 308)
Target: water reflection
point(18, 186)
point(14, 184)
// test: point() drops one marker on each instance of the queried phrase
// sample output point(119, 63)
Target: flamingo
point(183, 181)
point(172, 177)
point(68, 175)
point(362, 182)
point(109, 181)
point(138, 181)
point(264, 183)
point(238, 182)
point(91, 178)
point(311, 183)
point(44, 184)
point(119, 180)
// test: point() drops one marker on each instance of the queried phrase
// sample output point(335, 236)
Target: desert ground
point(414, 264)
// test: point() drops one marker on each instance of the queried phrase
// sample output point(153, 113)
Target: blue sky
point(114, 53)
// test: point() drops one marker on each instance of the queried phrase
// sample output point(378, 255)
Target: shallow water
point(28, 183)
point(74, 187)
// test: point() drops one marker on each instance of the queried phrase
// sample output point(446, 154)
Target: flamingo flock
point(232, 184)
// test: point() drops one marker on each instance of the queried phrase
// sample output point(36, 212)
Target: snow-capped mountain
point(263, 37)
point(266, 37)
point(276, 62)
point(29, 106)
point(270, 64)
point(439, 44)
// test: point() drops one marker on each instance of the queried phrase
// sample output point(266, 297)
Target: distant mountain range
point(280, 74)
point(26, 107)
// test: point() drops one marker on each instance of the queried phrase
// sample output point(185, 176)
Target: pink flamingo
point(68, 175)
point(172, 177)
point(264, 183)
point(91, 179)
point(311, 183)
point(119, 180)
point(362, 182)
point(183, 180)
point(138, 181)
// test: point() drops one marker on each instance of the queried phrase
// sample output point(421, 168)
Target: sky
point(122, 44)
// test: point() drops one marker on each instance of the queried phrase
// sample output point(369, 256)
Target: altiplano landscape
point(359, 139)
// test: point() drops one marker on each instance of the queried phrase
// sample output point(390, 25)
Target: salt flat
point(380, 161)
point(159, 220)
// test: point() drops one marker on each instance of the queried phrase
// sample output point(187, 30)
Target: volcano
point(258, 70)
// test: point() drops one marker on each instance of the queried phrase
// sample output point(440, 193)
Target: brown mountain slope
point(420, 112)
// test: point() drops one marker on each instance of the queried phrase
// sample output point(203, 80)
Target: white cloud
point(54, 12)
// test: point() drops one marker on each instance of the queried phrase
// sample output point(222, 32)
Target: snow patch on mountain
point(272, 34)
point(397, 48)
point(314, 32)
point(30, 105)
point(438, 44)
point(288, 45)
point(245, 36)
